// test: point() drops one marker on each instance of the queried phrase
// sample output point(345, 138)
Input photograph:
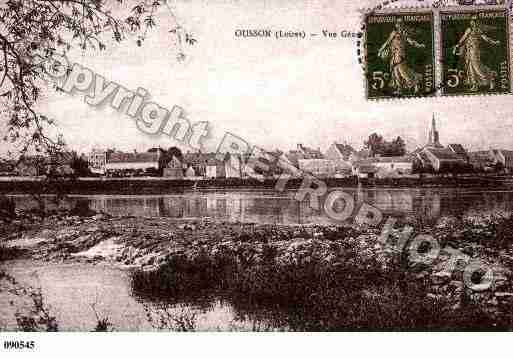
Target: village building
point(359, 155)
point(197, 161)
point(393, 166)
point(483, 161)
point(233, 165)
point(261, 164)
point(505, 158)
point(308, 153)
point(274, 160)
point(60, 164)
point(174, 169)
point(97, 160)
point(302, 153)
point(434, 157)
point(364, 169)
point(310, 161)
point(190, 172)
point(321, 168)
point(229, 167)
point(57, 164)
point(442, 160)
point(459, 151)
point(123, 163)
point(341, 155)
point(215, 168)
point(7, 168)
point(31, 166)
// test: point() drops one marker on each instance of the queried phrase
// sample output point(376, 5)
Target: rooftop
point(443, 154)
point(123, 157)
point(344, 150)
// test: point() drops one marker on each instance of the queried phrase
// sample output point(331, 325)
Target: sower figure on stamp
point(476, 73)
point(403, 77)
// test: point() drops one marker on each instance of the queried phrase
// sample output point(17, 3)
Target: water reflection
point(282, 208)
point(70, 290)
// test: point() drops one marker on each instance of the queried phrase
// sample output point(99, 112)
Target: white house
point(122, 161)
point(318, 167)
point(341, 155)
point(233, 166)
point(97, 160)
point(393, 166)
point(364, 169)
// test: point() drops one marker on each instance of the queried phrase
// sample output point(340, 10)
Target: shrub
point(7, 207)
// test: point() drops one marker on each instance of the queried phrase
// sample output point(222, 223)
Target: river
point(72, 290)
point(282, 208)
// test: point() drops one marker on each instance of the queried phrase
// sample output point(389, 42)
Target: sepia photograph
point(246, 166)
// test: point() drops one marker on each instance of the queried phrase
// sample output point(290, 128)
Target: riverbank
point(162, 185)
point(295, 277)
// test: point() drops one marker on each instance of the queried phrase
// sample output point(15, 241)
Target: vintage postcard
point(475, 50)
point(254, 166)
point(400, 56)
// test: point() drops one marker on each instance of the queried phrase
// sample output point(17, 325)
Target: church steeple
point(433, 138)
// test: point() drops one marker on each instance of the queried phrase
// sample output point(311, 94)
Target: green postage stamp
point(399, 55)
point(475, 52)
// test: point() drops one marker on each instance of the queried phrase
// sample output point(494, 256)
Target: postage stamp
point(475, 52)
point(399, 54)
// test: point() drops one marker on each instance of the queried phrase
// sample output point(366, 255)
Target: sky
point(273, 93)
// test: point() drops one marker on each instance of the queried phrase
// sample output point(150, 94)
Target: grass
point(310, 295)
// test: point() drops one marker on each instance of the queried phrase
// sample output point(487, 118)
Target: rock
point(441, 277)
point(92, 229)
point(458, 285)
point(493, 302)
point(468, 250)
point(419, 267)
point(187, 227)
point(504, 295)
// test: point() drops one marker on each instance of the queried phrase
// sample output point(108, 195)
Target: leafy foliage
point(378, 146)
point(31, 31)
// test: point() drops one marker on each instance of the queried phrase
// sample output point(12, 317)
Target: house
point(364, 169)
point(308, 153)
point(174, 169)
point(505, 158)
point(273, 159)
point(261, 164)
point(382, 167)
point(197, 161)
point(60, 163)
point(359, 155)
point(459, 151)
point(215, 168)
point(309, 160)
point(323, 168)
point(434, 157)
point(483, 161)
point(7, 168)
point(31, 166)
point(132, 163)
point(190, 172)
point(393, 166)
point(442, 160)
point(341, 155)
point(233, 165)
point(97, 160)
